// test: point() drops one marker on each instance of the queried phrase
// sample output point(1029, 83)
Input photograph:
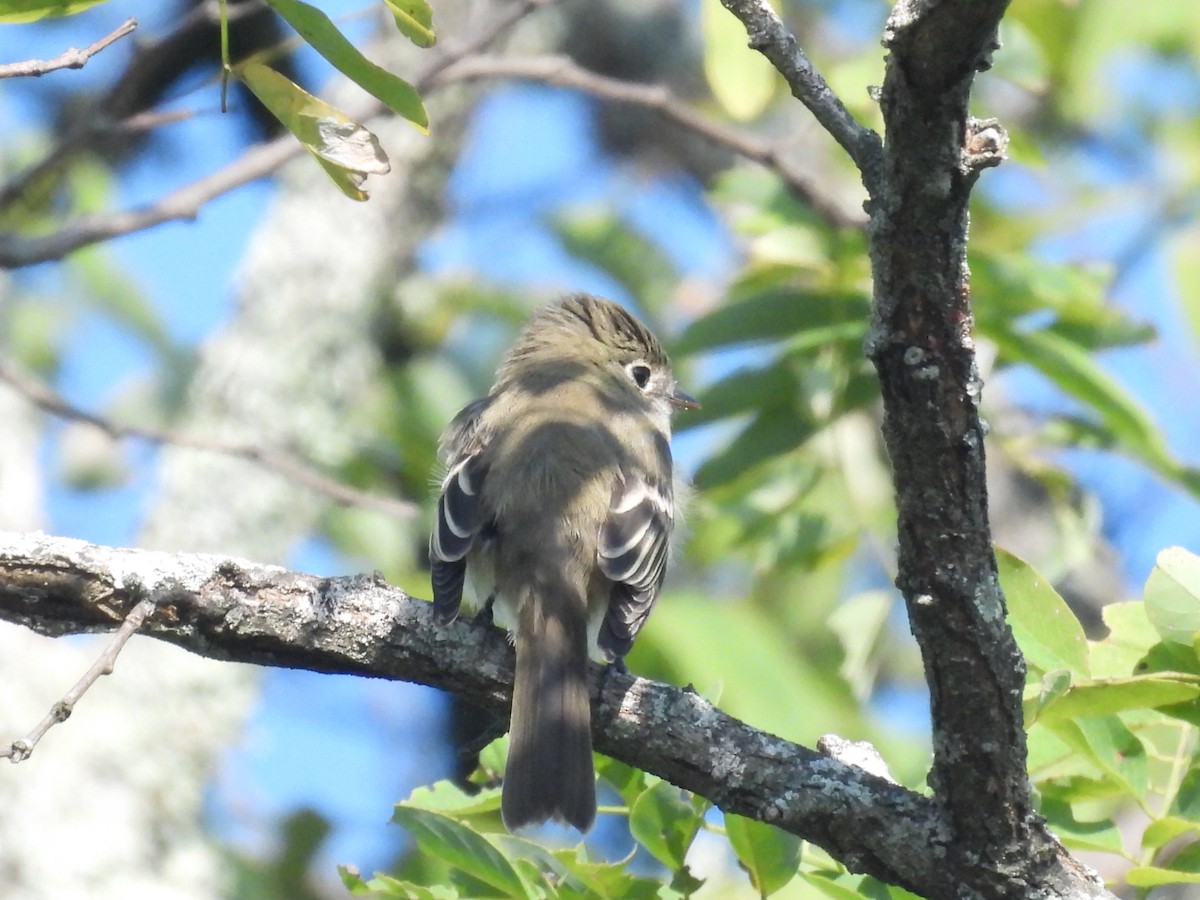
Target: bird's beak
point(680, 400)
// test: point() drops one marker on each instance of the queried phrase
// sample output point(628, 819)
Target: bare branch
point(20, 750)
point(281, 464)
point(183, 204)
point(560, 71)
point(71, 58)
point(770, 37)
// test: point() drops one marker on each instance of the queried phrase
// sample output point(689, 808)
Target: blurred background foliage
point(1086, 294)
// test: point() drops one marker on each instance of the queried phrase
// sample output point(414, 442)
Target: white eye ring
point(640, 373)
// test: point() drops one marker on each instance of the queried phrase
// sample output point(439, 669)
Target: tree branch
point(183, 204)
point(921, 345)
point(235, 610)
point(48, 400)
point(71, 58)
point(561, 71)
point(920, 181)
point(20, 750)
point(261, 160)
point(770, 37)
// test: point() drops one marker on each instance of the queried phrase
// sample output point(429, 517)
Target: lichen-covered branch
point(235, 610)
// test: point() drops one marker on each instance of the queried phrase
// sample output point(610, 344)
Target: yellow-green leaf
point(462, 847)
point(664, 823)
point(318, 29)
point(1115, 695)
point(1162, 831)
point(1101, 835)
point(1172, 595)
point(414, 20)
point(769, 855)
point(741, 79)
point(14, 11)
point(1108, 742)
point(1046, 630)
point(1151, 876)
point(1073, 369)
point(346, 150)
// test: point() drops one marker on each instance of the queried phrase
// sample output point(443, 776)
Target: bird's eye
point(640, 373)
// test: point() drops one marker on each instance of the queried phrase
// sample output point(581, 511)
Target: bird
point(558, 504)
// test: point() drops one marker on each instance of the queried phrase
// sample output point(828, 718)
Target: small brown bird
point(559, 501)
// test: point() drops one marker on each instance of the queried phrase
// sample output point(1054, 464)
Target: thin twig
point(21, 749)
point(46, 399)
point(560, 71)
point(71, 58)
point(770, 37)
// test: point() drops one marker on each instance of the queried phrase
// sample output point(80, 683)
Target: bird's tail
point(549, 774)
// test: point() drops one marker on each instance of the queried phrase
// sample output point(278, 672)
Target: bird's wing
point(632, 553)
point(459, 510)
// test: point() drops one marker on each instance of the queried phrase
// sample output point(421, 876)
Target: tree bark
point(234, 610)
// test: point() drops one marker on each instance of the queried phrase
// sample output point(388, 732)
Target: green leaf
point(858, 622)
point(1172, 595)
point(1109, 743)
point(780, 428)
point(665, 824)
point(1152, 876)
point(352, 880)
point(1130, 638)
point(629, 782)
point(1053, 685)
point(318, 29)
point(741, 80)
point(448, 798)
point(745, 390)
point(770, 434)
point(828, 887)
point(1022, 284)
point(1187, 272)
point(1047, 751)
point(774, 312)
point(1113, 695)
point(537, 862)
point(689, 630)
point(461, 847)
point(1186, 804)
point(1187, 859)
point(16, 11)
point(683, 882)
point(609, 881)
point(1046, 630)
point(1162, 831)
point(113, 291)
point(1073, 369)
point(1101, 836)
point(599, 236)
point(414, 19)
point(347, 151)
point(769, 855)
point(387, 886)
